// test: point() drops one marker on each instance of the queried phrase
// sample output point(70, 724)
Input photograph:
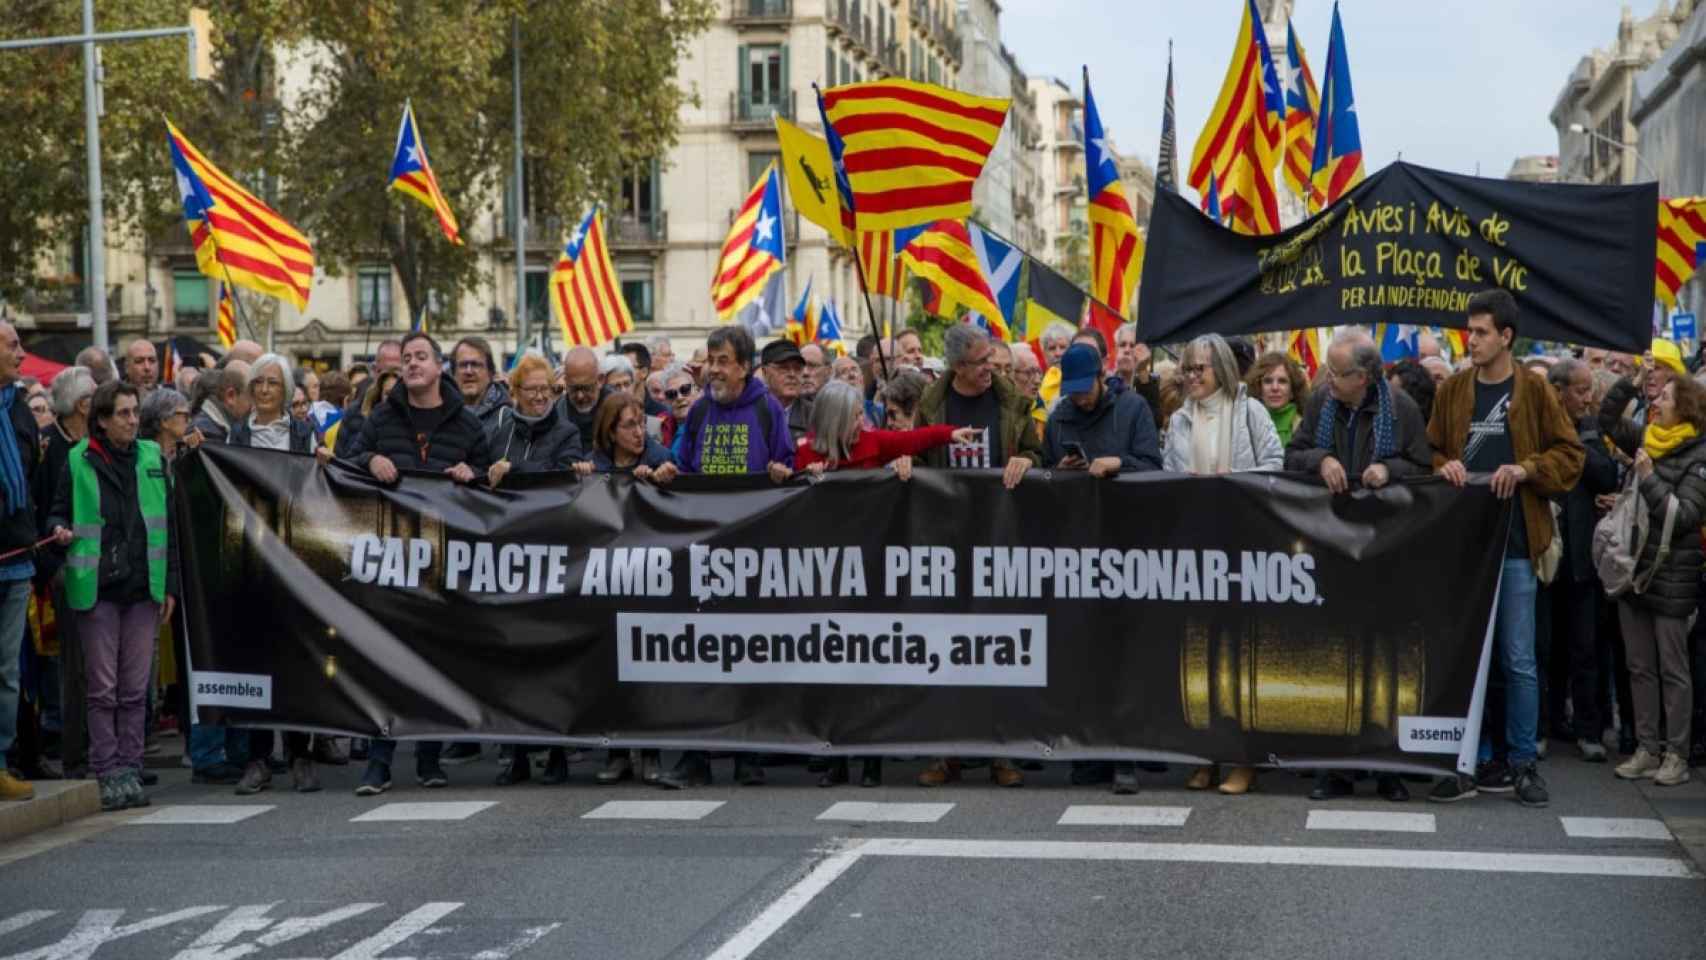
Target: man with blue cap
point(1093, 428)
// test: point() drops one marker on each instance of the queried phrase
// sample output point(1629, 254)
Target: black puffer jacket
point(433, 439)
point(553, 443)
point(1675, 589)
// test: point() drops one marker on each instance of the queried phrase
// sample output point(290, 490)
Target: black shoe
point(1125, 779)
point(375, 780)
point(833, 776)
point(748, 771)
point(460, 753)
point(1089, 773)
point(1391, 787)
point(556, 768)
point(221, 774)
point(518, 771)
point(149, 778)
point(692, 770)
point(1452, 788)
point(617, 768)
point(871, 772)
point(1494, 777)
point(1530, 788)
point(278, 765)
point(1329, 785)
point(428, 773)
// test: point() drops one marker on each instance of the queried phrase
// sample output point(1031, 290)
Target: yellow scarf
point(1660, 441)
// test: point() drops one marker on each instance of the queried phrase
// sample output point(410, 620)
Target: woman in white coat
point(1220, 429)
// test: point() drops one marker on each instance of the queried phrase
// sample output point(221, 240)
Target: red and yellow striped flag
point(1240, 144)
point(941, 253)
point(911, 151)
point(1682, 230)
point(237, 238)
point(1302, 104)
point(226, 322)
point(754, 248)
point(585, 294)
point(884, 272)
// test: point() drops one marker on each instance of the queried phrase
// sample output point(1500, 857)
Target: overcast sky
point(1446, 83)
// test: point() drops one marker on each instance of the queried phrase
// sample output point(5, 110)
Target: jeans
point(14, 610)
point(1513, 641)
point(382, 751)
point(207, 745)
point(118, 646)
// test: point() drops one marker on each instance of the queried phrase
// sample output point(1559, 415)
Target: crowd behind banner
point(90, 559)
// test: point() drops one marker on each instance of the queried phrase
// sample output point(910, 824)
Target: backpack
point(1614, 556)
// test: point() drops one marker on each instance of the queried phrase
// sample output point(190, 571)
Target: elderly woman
point(616, 372)
point(620, 445)
point(900, 399)
point(164, 417)
point(270, 426)
point(530, 435)
point(1278, 382)
point(1219, 429)
point(679, 394)
point(1670, 471)
point(839, 440)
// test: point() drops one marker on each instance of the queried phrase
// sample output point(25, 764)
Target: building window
point(829, 66)
point(190, 299)
point(638, 294)
point(538, 296)
point(757, 160)
point(639, 193)
point(373, 296)
point(764, 80)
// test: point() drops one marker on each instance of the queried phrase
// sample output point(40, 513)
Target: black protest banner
point(1411, 245)
point(1244, 618)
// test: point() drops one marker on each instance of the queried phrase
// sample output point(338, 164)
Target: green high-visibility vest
point(83, 561)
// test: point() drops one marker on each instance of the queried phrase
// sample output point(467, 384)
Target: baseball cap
point(779, 351)
point(1078, 368)
point(1668, 354)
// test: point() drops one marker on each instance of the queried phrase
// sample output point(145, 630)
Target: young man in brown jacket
point(1500, 419)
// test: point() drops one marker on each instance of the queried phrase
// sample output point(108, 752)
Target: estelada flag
point(585, 295)
point(411, 173)
point(237, 238)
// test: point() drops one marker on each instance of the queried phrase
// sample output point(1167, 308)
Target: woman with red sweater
point(838, 439)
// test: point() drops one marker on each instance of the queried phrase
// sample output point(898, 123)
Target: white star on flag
point(414, 154)
point(185, 191)
point(1107, 154)
point(579, 235)
point(763, 227)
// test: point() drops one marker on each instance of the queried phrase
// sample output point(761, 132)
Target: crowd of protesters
point(89, 567)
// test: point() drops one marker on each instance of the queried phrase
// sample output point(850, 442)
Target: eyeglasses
point(674, 393)
point(583, 388)
point(540, 390)
point(1343, 374)
point(471, 365)
point(1194, 369)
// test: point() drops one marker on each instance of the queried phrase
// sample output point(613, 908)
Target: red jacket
point(876, 448)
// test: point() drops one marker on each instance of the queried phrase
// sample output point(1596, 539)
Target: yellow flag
point(811, 179)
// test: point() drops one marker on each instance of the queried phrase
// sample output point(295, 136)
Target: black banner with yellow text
point(1411, 245)
point(1252, 617)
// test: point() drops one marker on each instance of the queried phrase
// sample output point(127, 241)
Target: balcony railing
point(750, 113)
point(757, 13)
point(639, 231)
point(848, 19)
point(892, 60)
point(938, 28)
point(539, 233)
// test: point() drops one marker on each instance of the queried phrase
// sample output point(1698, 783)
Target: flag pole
point(870, 312)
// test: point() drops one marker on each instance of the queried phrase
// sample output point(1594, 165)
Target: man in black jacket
point(582, 391)
point(422, 425)
point(20, 453)
point(1573, 595)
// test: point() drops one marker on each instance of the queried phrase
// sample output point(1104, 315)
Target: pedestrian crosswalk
point(1077, 817)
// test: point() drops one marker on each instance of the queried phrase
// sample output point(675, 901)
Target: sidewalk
point(56, 802)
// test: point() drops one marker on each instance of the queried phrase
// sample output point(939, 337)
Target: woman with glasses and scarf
point(1219, 429)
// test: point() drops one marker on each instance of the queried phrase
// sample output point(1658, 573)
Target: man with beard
point(475, 371)
point(582, 389)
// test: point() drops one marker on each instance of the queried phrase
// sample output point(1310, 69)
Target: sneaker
point(303, 777)
point(428, 773)
point(1641, 766)
point(375, 780)
point(113, 796)
point(456, 753)
point(1529, 787)
point(134, 795)
point(1452, 789)
point(1592, 751)
point(1673, 771)
point(257, 776)
point(221, 774)
point(14, 788)
point(1494, 777)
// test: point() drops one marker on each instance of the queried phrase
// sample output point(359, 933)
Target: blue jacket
point(1120, 425)
point(656, 455)
point(737, 438)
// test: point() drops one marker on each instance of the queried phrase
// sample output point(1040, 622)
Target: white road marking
point(1111, 815)
point(204, 813)
point(98, 927)
point(859, 811)
point(427, 810)
point(402, 929)
point(288, 930)
point(1615, 828)
point(1370, 820)
point(653, 810)
point(211, 945)
point(19, 921)
point(1390, 859)
point(528, 938)
point(791, 902)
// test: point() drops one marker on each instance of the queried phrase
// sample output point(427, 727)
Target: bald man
point(97, 362)
point(1427, 346)
point(582, 392)
point(247, 351)
point(142, 366)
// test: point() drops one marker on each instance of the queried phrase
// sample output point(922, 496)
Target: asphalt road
point(582, 871)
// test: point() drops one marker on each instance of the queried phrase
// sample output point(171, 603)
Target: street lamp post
point(1640, 162)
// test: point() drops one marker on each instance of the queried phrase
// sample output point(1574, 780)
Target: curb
point(1684, 812)
point(56, 802)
